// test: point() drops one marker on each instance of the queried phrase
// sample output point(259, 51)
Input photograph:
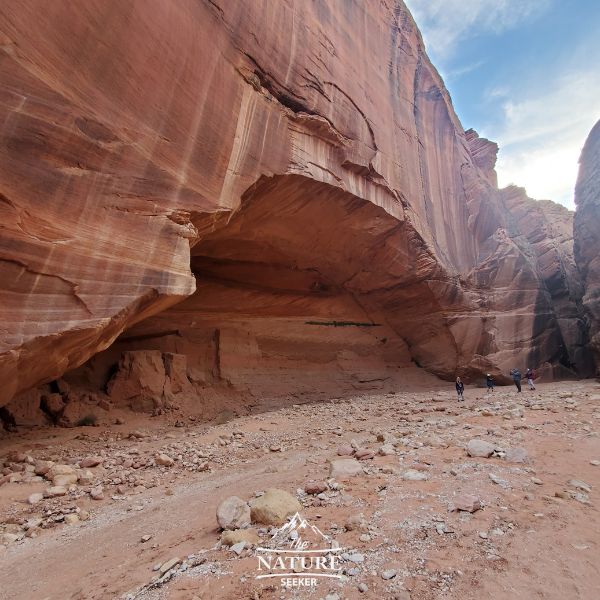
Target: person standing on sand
point(460, 388)
point(489, 381)
point(516, 375)
point(529, 375)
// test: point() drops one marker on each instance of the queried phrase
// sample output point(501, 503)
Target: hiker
point(460, 388)
point(489, 381)
point(516, 375)
point(530, 376)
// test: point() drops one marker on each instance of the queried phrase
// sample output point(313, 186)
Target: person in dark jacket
point(489, 381)
point(460, 388)
point(530, 376)
point(516, 375)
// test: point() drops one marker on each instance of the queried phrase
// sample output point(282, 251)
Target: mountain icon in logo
point(298, 527)
point(299, 553)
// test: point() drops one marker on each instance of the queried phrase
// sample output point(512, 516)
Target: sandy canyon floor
point(536, 535)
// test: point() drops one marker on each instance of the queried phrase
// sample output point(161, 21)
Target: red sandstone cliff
point(587, 233)
point(297, 164)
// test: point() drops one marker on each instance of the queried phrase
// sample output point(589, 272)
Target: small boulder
point(65, 480)
point(55, 470)
point(167, 566)
point(273, 507)
point(480, 448)
point(580, 485)
point(364, 454)
point(516, 455)
point(71, 519)
point(90, 462)
point(233, 513)
point(86, 477)
point(387, 450)
point(41, 467)
point(315, 487)
point(97, 493)
point(35, 498)
point(345, 467)
point(164, 460)
point(231, 538)
point(345, 450)
point(466, 503)
point(54, 491)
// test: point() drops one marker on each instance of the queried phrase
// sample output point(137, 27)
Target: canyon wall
point(294, 169)
point(587, 233)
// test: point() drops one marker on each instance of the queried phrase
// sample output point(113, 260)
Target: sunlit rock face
point(294, 169)
point(587, 233)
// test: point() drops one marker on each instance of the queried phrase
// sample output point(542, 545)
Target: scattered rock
point(41, 467)
point(480, 448)
point(414, 475)
point(315, 487)
point(167, 566)
point(64, 480)
point(355, 522)
point(86, 477)
point(389, 574)
point(387, 450)
point(71, 519)
point(580, 485)
point(233, 513)
point(238, 548)
point(345, 450)
point(355, 557)
point(90, 462)
point(164, 460)
point(273, 507)
point(248, 536)
point(97, 493)
point(342, 468)
point(364, 454)
point(55, 470)
point(516, 455)
point(54, 491)
point(498, 480)
point(466, 503)
point(35, 498)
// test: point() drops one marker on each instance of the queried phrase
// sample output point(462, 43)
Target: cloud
point(463, 70)
point(542, 133)
point(445, 23)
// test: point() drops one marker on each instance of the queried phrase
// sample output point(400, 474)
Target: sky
point(525, 74)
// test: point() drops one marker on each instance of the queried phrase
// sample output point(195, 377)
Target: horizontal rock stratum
point(295, 170)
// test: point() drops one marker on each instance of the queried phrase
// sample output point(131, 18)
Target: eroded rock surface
point(587, 237)
point(305, 173)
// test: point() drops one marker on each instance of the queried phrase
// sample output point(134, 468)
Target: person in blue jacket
point(516, 375)
point(489, 381)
